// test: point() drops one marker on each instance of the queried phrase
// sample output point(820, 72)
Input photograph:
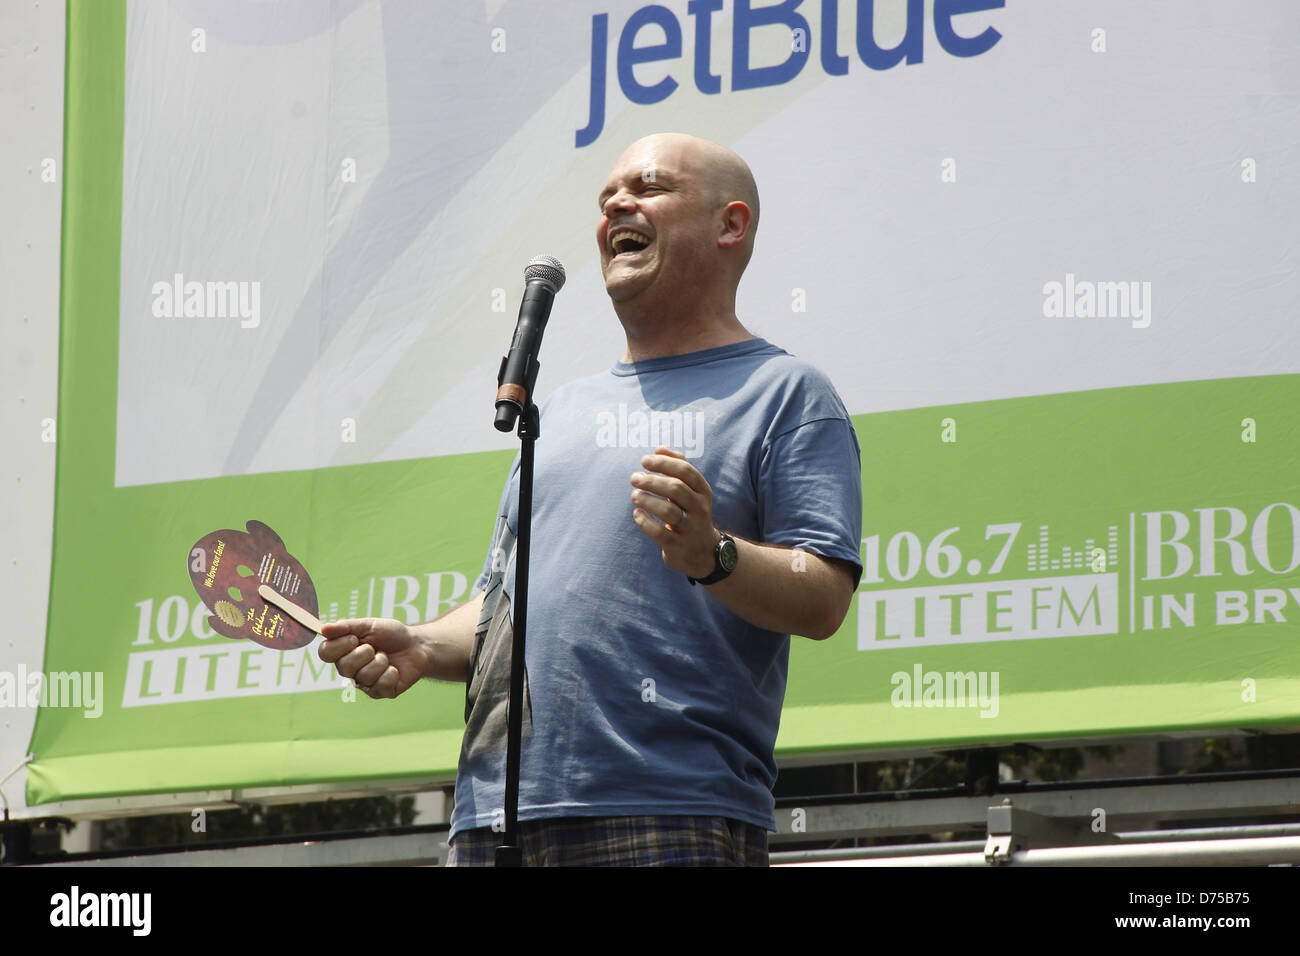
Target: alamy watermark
point(84, 689)
point(648, 429)
point(1084, 299)
point(74, 908)
point(923, 688)
point(179, 299)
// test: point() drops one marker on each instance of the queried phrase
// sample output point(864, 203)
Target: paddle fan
point(255, 589)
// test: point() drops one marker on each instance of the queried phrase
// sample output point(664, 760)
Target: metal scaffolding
point(1121, 822)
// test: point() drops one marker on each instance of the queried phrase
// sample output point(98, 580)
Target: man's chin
point(621, 288)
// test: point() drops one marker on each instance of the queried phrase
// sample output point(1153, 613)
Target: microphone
point(544, 277)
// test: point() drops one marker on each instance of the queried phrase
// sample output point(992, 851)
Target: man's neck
point(651, 336)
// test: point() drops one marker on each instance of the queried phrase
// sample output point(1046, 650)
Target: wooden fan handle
point(299, 614)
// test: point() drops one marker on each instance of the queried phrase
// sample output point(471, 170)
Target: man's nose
point(620, 201)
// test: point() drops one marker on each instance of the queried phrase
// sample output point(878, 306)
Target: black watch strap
point(725, 557)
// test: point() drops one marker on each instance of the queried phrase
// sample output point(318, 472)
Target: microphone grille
point(547, 269)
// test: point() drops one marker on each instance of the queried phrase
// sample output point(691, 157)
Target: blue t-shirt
point(646, 695)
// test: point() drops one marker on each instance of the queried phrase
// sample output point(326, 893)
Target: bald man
point(694, 506)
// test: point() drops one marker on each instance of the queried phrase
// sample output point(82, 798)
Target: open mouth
point(627, 242)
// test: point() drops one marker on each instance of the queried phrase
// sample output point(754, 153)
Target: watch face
point(728, 556)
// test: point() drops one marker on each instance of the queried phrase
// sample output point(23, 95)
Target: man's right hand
point(383, 656)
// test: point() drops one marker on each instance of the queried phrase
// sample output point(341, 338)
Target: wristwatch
point(725, 558)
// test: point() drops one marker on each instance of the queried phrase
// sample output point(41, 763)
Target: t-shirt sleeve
point(499, 548)
point(810, 491)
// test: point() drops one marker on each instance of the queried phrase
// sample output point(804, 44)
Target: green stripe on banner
point(1079, 464)
point(301, 730)
point(1185, 633)
point(89, 275)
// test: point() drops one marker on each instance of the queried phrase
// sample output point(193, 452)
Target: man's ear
point(735, 222)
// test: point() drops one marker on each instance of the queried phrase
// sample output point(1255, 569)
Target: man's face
point(653, 232)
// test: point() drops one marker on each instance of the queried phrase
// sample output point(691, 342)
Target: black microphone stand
point(509, 853)
point(545, 277)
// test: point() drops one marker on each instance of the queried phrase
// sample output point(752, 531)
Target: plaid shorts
point(621, 841)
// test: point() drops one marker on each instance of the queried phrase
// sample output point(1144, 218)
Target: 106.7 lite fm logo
point(1156, 570)
point(176, 656)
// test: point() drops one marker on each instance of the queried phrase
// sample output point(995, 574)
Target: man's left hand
point(673, 491)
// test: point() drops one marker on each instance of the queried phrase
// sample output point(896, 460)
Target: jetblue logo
point(653, 34)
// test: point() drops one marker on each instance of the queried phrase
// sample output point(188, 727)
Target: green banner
point(1101, 561)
